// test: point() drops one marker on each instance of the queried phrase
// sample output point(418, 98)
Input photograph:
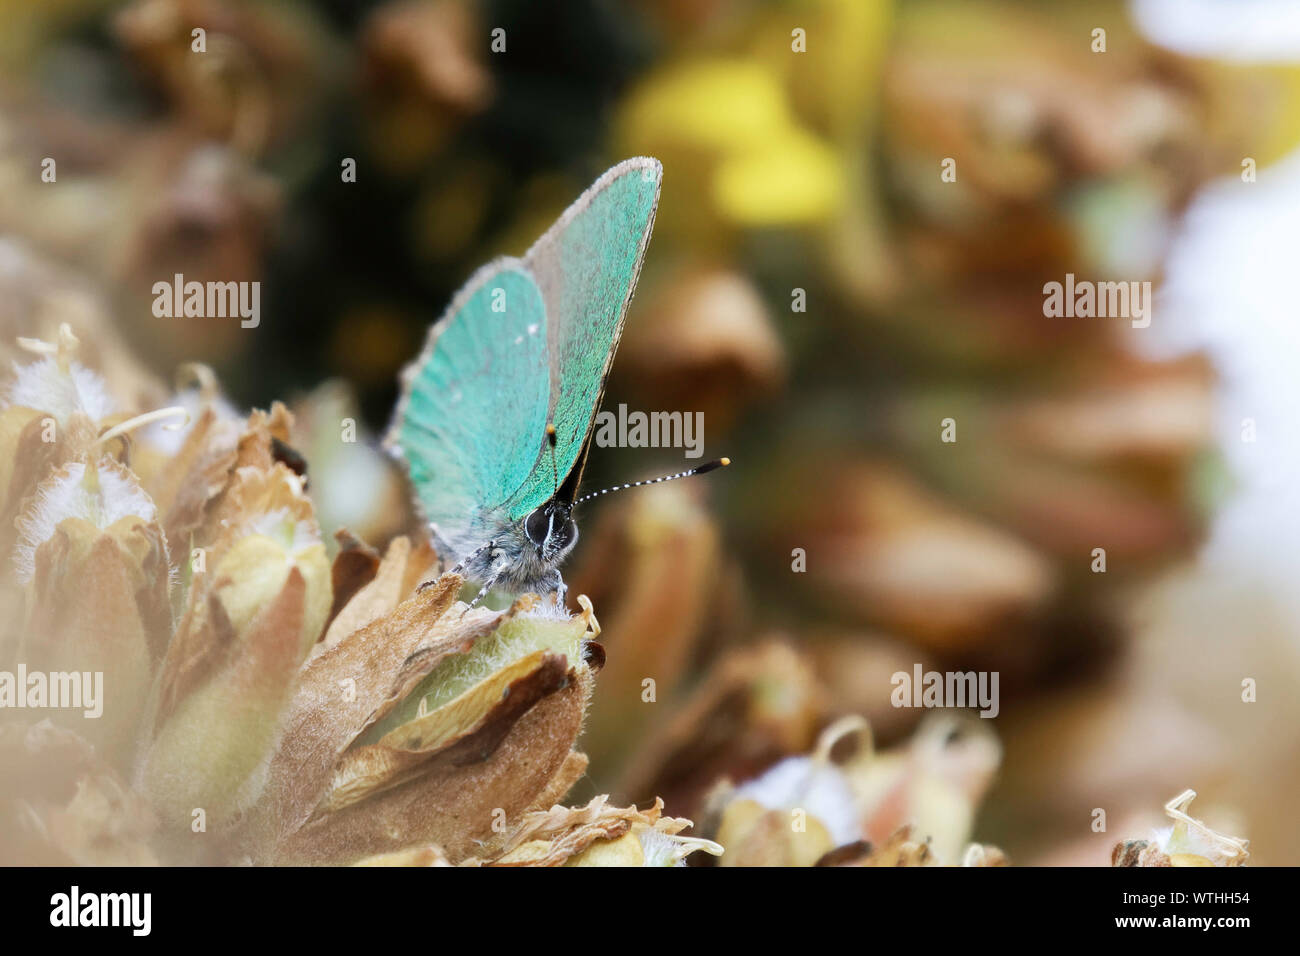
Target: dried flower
point(755, 705)
point(61, 803)
point(1189, 842)
point(860, 808)
point(94, 564)
point(298, 711)
point(54, 410)
point(598, 835)
point(257, 600)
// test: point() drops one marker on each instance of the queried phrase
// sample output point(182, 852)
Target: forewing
point(473, 410)
point(587, 266)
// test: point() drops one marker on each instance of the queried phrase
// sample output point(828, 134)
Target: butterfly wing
point(587, 266)
point(473, 410)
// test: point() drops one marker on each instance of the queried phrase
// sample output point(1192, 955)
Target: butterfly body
point(495, 419)
point(525, 555)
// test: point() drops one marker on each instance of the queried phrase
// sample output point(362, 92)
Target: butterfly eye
point(565, 534)
point(535, 526)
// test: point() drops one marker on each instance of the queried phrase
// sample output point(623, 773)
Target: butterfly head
point(551, 530)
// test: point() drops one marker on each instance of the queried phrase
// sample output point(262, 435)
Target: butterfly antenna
point(702, 469)
point(555, 475)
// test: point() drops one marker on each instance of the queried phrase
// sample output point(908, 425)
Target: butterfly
point(494, 420)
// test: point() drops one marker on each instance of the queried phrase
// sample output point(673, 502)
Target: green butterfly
point(495, 416)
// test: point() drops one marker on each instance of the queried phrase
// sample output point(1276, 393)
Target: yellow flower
point(726, 126)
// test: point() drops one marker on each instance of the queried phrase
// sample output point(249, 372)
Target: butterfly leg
point(561, 589)
point(464, 562)
point(482, 593)
point(461, 565)
point(496, 568)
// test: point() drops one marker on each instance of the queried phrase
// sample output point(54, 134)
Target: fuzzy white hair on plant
point(293, 534)
point(115, 495)
point(818, 787)
point(669, 849)
point(47, 386)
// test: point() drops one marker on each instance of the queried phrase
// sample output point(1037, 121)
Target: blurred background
point(819, 291)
